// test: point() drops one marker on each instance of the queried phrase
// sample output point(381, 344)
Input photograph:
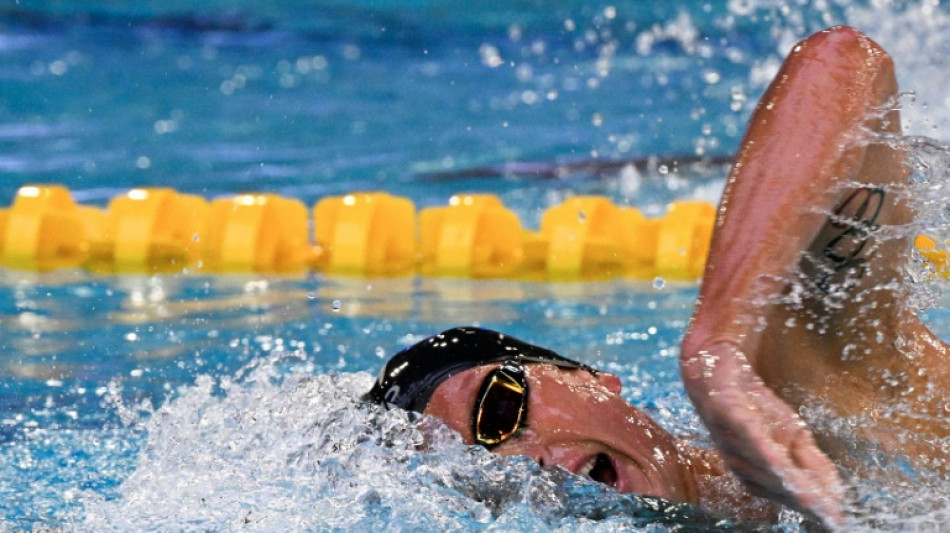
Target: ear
point(611, 381)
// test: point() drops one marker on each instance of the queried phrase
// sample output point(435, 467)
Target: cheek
point(460, 424)
point(448, 405)
point(577, 406)
point(650, 436)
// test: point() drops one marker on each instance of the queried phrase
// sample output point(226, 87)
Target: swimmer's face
point(576, 420)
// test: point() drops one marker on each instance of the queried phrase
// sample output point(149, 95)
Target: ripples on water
point(106, 396)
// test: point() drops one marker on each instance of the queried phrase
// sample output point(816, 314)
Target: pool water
point(217, 403)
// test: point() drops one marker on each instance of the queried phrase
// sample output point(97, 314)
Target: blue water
point(134, 403)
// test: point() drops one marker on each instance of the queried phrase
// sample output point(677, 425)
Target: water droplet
point(337, 305)
point(659, 283)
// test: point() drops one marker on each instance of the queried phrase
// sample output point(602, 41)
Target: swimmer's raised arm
point(807, 144)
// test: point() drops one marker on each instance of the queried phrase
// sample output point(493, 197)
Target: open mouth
point(600, 468)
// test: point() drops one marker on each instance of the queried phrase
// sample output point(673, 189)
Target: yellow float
point(363, 234)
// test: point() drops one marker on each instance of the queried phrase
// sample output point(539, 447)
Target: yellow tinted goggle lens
point(501, 406)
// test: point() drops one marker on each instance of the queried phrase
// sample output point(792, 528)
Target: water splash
point(888, 489)
point(929, 195)
point(300, 452)
point(913, 33)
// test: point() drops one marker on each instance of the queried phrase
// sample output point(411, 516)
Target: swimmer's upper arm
point(801, 145)
point(804, 302)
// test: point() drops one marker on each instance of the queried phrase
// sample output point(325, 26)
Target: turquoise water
point(196, 403)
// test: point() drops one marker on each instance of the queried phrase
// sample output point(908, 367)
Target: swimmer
point(802, 304)
point(516, 398)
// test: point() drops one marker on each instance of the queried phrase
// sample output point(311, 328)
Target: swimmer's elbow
point(847, 44)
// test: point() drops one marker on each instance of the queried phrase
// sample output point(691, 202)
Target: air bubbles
point(711, 77)
point(524, 72)
point(538, 47)
point(741, 7)
point(233, 84)
point(306, 64)
point(763, 72)
point(738, 97)
point(58, 67)
point(162, 127)
point(351, 52)
point(336, 305)
point(490, 56)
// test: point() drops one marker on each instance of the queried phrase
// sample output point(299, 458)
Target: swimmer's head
point(408, 380)
point(519, 399)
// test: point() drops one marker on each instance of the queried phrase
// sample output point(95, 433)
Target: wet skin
point(578, 420)
point(803, 301)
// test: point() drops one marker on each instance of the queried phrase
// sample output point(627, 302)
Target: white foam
point(303, 453)
point(915, 35)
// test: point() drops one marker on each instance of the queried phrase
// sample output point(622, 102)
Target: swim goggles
point(502, 404)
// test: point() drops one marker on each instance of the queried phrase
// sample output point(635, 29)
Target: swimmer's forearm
point(800, 143)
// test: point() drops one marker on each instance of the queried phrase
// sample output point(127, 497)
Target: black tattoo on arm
point(843, 249)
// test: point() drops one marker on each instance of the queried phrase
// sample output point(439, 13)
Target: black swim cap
point(412, 375)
